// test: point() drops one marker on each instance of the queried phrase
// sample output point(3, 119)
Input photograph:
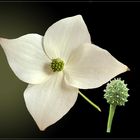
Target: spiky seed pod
point(116, 92)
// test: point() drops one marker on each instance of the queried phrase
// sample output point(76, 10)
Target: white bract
point(53, 86)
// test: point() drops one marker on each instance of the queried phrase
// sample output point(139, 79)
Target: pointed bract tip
point(78, 16)
point(41, 128)
point(128, 69)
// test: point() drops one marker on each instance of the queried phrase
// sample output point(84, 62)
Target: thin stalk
point(110, 117)
point(89, 101)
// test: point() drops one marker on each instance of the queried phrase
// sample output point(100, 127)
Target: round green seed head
point(57, 65)
point(116, 92)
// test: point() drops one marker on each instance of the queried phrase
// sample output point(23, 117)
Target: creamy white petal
point(64, 36)
point(91, 66)
point(50, 101)
point(26, 57)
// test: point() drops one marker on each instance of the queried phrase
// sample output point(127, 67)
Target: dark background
point(114, 26)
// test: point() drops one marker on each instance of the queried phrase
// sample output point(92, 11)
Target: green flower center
point(57, 65)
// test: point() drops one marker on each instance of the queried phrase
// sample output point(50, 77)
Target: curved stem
point(89, 101)
point(110, 117)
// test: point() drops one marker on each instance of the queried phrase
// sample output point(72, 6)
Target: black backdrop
point(114, 26)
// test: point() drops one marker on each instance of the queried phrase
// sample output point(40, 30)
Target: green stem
point(110, 117)
point(89, 101)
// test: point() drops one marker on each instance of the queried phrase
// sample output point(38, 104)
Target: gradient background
point(113, 26)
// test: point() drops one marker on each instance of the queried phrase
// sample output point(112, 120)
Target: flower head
point(56, 65)
point(116, 92)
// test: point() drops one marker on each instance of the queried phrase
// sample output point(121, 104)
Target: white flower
point(53, 87)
